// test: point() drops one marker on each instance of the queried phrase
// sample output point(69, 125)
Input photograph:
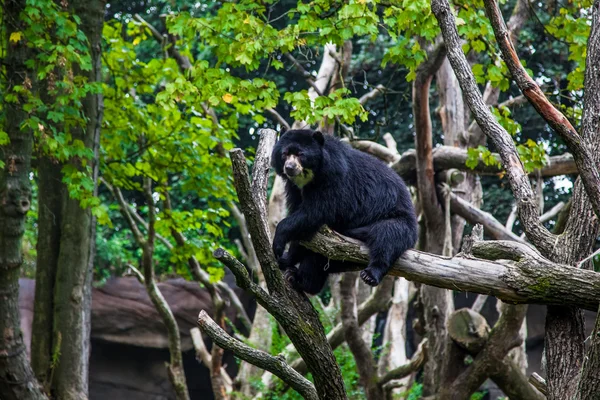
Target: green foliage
point(415, 392)
point(52, 97)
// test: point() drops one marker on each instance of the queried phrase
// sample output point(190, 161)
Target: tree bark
point(589, 383)
point(17, 381)
point(66, 249)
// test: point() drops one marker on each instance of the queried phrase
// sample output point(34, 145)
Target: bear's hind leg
point(388, 240)
point(311, 275)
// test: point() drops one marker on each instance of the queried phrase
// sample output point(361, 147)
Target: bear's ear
point(318, 136)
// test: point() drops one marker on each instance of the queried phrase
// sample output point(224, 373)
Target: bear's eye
point(300, 154)
point(284, 153)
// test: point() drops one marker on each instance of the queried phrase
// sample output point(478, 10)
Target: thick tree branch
point(260, 173)
point(579, 147)
point(256, 222)
point(519, 181)
point(378, 301)
point(471, 332)
point(447, 157)
point(424, 139)
point(242, 278)
point(501, 340)
point(377, 150)
point(531, 280)
point(589, 383)
point(275, 365)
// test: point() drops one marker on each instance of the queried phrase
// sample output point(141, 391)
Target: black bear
point(330, 183)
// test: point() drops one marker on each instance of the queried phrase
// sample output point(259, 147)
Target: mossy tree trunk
point(61, 326)
point(16, 377)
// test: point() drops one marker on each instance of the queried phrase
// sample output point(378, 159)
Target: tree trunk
point(66, 246)
point(17, 380)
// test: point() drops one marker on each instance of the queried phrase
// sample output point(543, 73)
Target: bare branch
point(519, 181)
point(514, 282)
point(275, 365)
point(203, 356)
point(513, 102)
point(475, 215)
point(561, 125)
point(553, 212)
point(242, 278)
point(305, 74)
point(256, 222)
point(377, 150)
point(448, 157)
point(390, 143)
point(479, 303)
point(512, 217)
point(373, 94)
point(279, 118)
point(501, 340)
point(367, 369)
point(416, 362)
point(539, 383)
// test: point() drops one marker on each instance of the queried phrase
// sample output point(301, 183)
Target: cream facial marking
point(294, 171)
point(303, 179)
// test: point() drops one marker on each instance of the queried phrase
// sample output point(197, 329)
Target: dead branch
point(470, 331)
point(539, 383)
point(377, 150)
point(275, 365)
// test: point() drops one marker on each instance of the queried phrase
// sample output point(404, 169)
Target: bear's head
point(298, 155)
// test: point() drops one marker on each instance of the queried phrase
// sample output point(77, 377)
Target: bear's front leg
point(300, 225)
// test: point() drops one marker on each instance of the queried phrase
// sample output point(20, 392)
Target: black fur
point(354, 194)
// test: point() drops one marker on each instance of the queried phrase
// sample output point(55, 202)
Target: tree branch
point(416, 362)
point(475, 215)
point(447, 157)
point(367, 369)
point(586, 164)
point(373, 94)
point(513, 282)
point(275, 365)
point(519, 181)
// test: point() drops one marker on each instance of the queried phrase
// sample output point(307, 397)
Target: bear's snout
point(292, 167)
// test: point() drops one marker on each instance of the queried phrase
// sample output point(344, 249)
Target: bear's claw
point(368, 277)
